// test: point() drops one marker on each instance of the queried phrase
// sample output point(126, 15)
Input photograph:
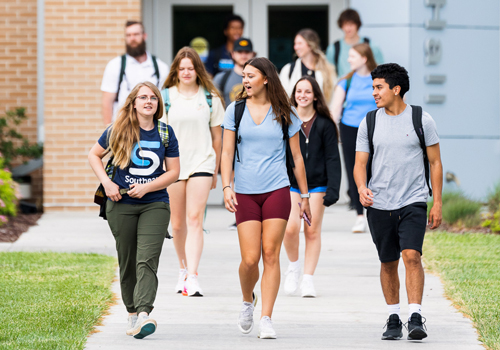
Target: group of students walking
point(278, 140)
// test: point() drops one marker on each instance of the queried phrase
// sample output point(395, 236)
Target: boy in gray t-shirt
point(397, 192)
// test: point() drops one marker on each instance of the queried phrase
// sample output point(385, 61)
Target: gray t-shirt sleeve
point(362, 144)
point(229, 122)
point(430, 130)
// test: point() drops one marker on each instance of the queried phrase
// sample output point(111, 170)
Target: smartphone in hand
point(304, 216)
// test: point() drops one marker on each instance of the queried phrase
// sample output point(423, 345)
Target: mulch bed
point(16, 226)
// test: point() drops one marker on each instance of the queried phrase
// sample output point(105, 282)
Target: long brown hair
point(319, 105)
point(202, 77)
point(125, 131)
point(326, 69)
point(275, 91)
point(365, 51)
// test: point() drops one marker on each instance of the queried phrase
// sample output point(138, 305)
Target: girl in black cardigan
point(319, 146)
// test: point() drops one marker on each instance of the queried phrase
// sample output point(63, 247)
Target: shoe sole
point(392, 337)
point(417, 334)
point(196, 294)
point(267, 336)
point(308, 296)
point(146, 329)
point(245, 331)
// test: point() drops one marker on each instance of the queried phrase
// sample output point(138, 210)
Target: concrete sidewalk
point(348, 313)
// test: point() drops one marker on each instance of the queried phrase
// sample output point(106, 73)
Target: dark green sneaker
point(394, 328)
point(416, 328)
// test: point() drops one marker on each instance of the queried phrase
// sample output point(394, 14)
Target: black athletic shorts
point(396, 230)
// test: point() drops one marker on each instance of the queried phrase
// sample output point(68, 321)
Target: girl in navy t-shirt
point(137, 208)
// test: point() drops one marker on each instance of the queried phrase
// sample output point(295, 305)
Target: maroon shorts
point(260, 207)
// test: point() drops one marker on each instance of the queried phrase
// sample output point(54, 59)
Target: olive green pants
point(139, 231)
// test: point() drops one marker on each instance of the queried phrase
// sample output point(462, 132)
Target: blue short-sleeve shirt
point(146, 164)
point(359, 99)
point(262, 165)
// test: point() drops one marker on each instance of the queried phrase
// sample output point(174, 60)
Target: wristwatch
point(305, 195)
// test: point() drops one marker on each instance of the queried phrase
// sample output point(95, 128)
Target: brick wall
point(81, 36)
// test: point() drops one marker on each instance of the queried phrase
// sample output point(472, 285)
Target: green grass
point(52, 300)
point(469, 267)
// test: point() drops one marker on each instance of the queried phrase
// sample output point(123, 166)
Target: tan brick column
point(81, 36)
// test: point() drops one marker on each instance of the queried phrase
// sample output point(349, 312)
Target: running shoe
point(232, 227)
point(132, 320)
point(143, 327)
point(245, 320)
point(394, 328)
point(359, 226)
point(307, 289)
point(266, 330)
point(291, 280)
point(179, 287)
point(192, 287)
point(416, 328)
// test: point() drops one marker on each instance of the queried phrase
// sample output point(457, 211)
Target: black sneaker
point(416, 328)
point(394, 328)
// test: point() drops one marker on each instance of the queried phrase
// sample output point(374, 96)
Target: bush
point(458, 209)
point(8, 194)
point(494, 199)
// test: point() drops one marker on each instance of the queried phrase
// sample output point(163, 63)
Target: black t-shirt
point(307, 71)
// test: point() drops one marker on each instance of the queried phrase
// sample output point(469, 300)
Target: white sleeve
point(217, 116)
point(284, 74)
point(111, 75)
point(362, 144)
point(430, 130)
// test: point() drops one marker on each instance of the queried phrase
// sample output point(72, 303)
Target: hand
point(230, 199)
point(112, 191)
point(305, 208)
point(435, 216)
point(365, 197)
point(214, 182)
point(138, 190)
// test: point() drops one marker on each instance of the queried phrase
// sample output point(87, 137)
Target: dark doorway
point(199, 21)
point(286, 21)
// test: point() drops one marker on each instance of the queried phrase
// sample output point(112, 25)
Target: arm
point(337, 103)
point(365, 194)
point(173, 167)
point(333, 167)
point(95, 159)
point(216, 133)
point(108, 99)
point(436, 169)
point(226, 165)
point(300, 173)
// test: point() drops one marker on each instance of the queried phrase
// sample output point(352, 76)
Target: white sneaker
point(232, 227)
point(192, 287)
point(245, 320)
point(179, 287)
point(132, 320)
point(291, 280)
point(307, 289)
point(359, 226)
point(266, 330)
point(144, 326)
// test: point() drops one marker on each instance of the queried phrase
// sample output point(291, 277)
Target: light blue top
point(359, 99)
point(344, 66)
point(262, 165)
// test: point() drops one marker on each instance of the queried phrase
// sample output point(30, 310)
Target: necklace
point(304, 124)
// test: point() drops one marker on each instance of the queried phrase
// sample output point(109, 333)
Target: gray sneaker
point(266, 330)
point(245, 320)
point(132, 320)
point(143, 327)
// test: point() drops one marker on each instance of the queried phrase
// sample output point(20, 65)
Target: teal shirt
point(344, 66)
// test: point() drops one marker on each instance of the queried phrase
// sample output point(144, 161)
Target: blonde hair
point(326, 69)
point(125, 131)
point(202, 77)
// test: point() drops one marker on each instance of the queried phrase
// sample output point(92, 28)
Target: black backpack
point(239, 108)
point(337, 52)
point(416, 117)
point(122, 72)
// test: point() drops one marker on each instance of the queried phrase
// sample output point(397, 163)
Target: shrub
point(459, 209)
point(8, 194)
point(494, 199)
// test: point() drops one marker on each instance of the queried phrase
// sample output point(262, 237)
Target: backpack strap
point(122, 73)
point(366, 40)
point(292, 67)
point(370, 124)
point(288, 152)
point(416, 117)
point(166, 99)
point(208, 97)
point(347, 86)
point(224, 80)
point(336, 45)
point(163, 131)
point(157, 71)
point(239, 109)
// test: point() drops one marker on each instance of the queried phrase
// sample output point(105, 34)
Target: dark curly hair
point(349, 15)
point(394, 75)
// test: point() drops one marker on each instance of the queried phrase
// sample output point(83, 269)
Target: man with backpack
point(338, 52)
point(397, 153)
point(229, 82)
point(124, 72)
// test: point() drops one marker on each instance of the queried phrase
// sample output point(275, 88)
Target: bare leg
point(291, 240)
point(249, 234)
point(415, 276)
point(313, 233)
point(273, 231)
point(197, 190)
point(390, 282)
point(177, 194)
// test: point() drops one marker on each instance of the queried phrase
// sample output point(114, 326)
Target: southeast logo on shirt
point(144, 161)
